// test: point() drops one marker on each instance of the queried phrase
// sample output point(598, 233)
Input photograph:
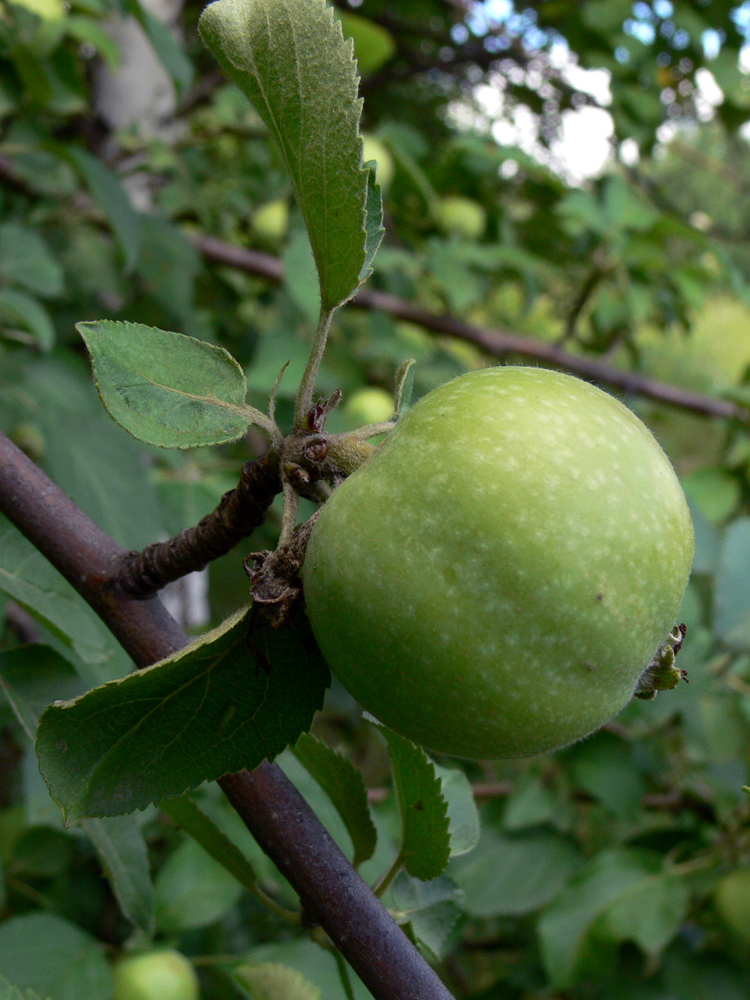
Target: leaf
point(27, 577)
point(345, 787)
point(26, 261)
point(270, 981)
point(193, 890)
point(141, 732)
point(431, 910)
point(10, 992)
point(165, 388)
point(18, 307)
point(604, 767)
point(373, 45)
point(214, 841)
point(168, 266)
point(109, 194)
point(290, 59)
point(623, 894)
point(300, 280)
point(512, 876)
point(49, 955)
point(31, 677)
point(425, 847)
point(404, 386)
point(463, 816)
point(104, 472)
point(732, 586)
point(123, 853)
point(171, 56)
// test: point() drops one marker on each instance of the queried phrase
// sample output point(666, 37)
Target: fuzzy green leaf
point(290, 59)
point(425, 846)
point(132, 742)
point(345, 787)
point(165, 388)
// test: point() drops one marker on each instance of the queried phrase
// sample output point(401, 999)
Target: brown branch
point(498, 343)
point(239, 513)
point(271, 807)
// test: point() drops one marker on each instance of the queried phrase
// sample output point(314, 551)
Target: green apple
point(494, 580)
point(374, 149)
point(156, 975)
point(462, 217)
point(369, 405)
point(732, 902)
point(271, 220)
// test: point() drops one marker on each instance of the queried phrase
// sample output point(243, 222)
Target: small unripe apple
point(156, 975)
point(460, 216)
point(374, 149)
point(732, 902)
point(271, 220)
point(496, 579)
point(370, 405)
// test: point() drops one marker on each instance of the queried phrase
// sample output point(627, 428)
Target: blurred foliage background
point(571, 175)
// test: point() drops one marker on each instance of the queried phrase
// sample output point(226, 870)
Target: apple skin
point(156, 975)
point(494, 579)
point(732, 902)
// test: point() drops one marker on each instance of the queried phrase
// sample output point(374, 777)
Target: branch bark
point(496, 342)
point(279, 818)
point(239, 513)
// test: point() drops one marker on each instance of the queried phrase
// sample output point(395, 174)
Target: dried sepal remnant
point(662, 674)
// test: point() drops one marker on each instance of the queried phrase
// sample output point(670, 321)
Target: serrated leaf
point(425, 844)
point(10, 992)
point(373, 45)
point(463, 815)
point(186, 813)
point(109, 194)
point(623, 894)
point(27, 577)
point(345, 787)
point(165, 388)
point(132, 742)
point(270, 981)
point(31, 677)
point(290, 59)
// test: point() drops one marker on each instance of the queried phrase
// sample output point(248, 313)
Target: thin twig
point(239, 513)
point(331, 891)
point(496, 342)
